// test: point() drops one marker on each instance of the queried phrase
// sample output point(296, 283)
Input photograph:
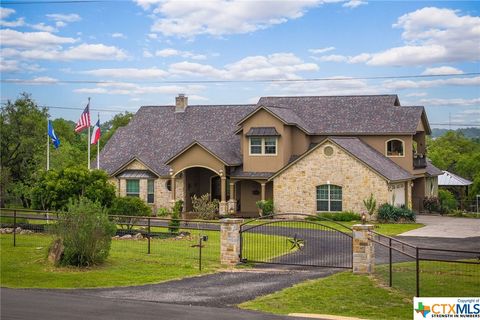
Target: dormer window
point(263, 146)
point(395, 148)
point(263, 141)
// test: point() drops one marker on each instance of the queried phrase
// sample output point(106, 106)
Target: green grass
point(341, 294)
point(437, 279)
point(25, 265)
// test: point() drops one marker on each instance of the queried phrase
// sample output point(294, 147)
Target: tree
point(23, 128)
point(54, 189)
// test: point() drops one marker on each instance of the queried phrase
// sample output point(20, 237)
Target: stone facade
point(363, 249)
point(295, 188)
point(230, 241)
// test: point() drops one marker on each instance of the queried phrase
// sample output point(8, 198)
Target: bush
point(174, 224)
point(390, 213)
point(163, 212)
point(432, 204)
point(340, 216)
point(205, 208)
point(86, 233)
point(129, 206)
point(265, 206)
point(447, 201)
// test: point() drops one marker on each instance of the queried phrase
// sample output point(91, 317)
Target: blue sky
point(143, 52)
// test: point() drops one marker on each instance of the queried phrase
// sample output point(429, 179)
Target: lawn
point(25, 266)
point(342, 294)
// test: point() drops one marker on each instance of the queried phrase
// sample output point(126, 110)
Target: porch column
point(172, 179)
point(263, 191)
point(223, 200)
point(232, 203)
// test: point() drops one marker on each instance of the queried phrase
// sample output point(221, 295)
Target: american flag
point(84, 121)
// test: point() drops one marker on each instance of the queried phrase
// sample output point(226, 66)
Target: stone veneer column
point(222, 206)
point(363, 249)
point(232, 203)
point(230, 241)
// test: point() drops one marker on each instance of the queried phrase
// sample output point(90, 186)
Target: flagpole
point(48, 149)
point(98, 145)
point(89, 135)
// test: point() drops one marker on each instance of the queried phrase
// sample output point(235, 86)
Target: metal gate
point(302, 241)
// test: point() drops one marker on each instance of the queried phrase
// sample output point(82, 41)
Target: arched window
point(395, 148)
point(329, 198)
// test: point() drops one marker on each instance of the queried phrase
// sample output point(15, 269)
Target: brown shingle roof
point(328, 115)
point(157, 133)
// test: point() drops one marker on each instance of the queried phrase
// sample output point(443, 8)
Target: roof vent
point(181, 102)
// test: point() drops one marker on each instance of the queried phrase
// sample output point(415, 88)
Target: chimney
point(181, 102)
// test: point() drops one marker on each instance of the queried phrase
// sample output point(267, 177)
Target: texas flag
point(96, 133)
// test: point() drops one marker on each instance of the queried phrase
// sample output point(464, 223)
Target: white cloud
point(6, 12)
point(170, 52)
point(321, 50)
point(277, 65)
point(32, 39)
point(118, 35)
point(442, 70)
point(332, 58)
point(354, 3)
point(125, 88)
point(128, 73)
point(43, 27)
point(152, 35)
point(456, 102)
point(433, 35)
point(147, 54)
point(17, 66)
point(221, 17)
point(36, 81)
point(72, 17)
point(13, 24)
point(411, 84)
point(417, 94)
point(81, 52)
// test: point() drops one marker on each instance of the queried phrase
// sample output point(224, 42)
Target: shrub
point(205, 208)
point(447, 201)
point(340, 216)
point(265, 206)
point(432, 204)
point(370, 204)
point(163, 212)
point(86, 233)
point(390, 213)
point(129, 206)
point(174, 224)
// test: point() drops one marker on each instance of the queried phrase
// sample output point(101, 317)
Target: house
point(307, 153)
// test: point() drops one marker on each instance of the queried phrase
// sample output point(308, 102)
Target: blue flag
point(51, 134)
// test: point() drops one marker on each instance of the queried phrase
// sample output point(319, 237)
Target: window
point(395, 148)
point(263, 146)
point(329, 198)
point(133, 188)
point(150, 191)
point(168, 185)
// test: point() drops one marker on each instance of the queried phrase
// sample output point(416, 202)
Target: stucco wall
point(295, 188)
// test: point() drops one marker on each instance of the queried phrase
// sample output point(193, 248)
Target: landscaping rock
point(8, 230)
point(56, 251)
point(138, 236)
point(127, 236)
point(26, 232)
point(116, 237)
point(18, 230)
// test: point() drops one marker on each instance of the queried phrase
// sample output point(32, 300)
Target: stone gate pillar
point(230, 241)
point(363, 249)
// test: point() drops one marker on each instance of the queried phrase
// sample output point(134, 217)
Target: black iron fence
point(428, 272)
point(196, 242)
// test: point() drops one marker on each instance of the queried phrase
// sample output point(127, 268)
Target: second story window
point(263, 146)
point(395, 148)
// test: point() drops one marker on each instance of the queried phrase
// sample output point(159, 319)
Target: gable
point(196, 156)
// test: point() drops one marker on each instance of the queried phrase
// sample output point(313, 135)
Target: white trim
point(262, 147)
point(329, 200)
point(196, 166)
point(403, 148)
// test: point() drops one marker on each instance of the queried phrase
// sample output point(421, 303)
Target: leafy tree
point(86, 233)
point(23, 128)
point(129, 206)
point(55, 188)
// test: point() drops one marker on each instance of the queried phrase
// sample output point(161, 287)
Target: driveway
point(445, 227)
point(29, 304)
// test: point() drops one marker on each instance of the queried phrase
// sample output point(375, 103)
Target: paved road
point(445, 227)
point(52, 305)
